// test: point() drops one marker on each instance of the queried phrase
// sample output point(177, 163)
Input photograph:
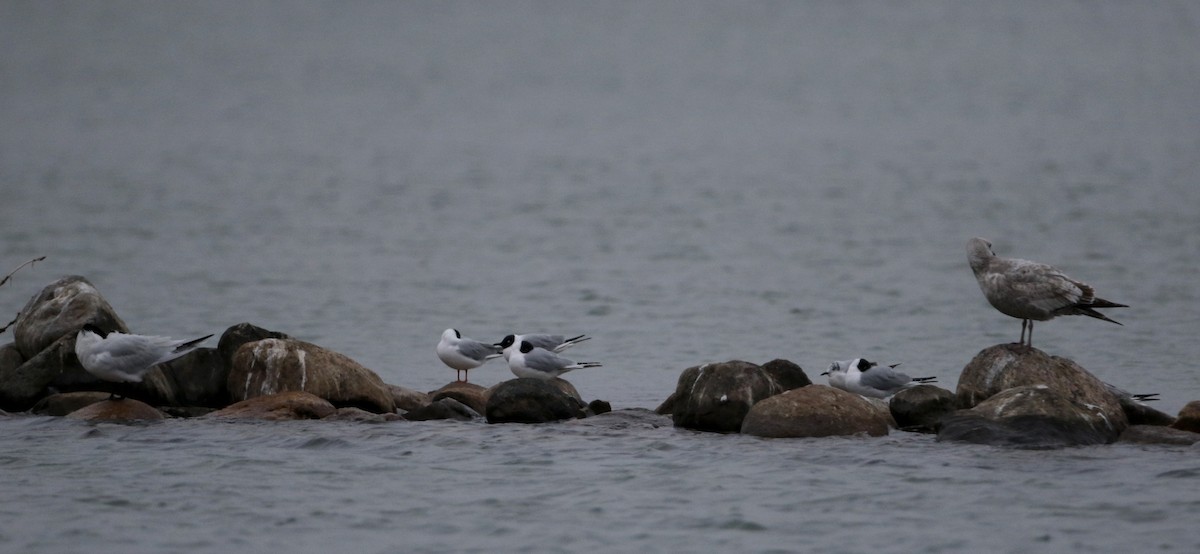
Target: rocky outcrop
point(1032, 416)
point(1189, 417)
point(235, 336)
point(716, 397)
point(814, 411)
point(919, 409)
point(407, 399)
point(1158, 434)
point(124, 410)
point(61, 308)
point(67, 402)
point(271, 366)
point(1006, 366)
point(443, 408)
point(531, 401)
point(470, 394)
point(286, 406)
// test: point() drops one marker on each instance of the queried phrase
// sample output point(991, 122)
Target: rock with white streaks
point(272, 366)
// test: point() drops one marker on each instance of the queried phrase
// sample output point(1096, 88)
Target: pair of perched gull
point(533, 356)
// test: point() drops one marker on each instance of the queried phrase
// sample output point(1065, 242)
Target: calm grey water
point(686, 182)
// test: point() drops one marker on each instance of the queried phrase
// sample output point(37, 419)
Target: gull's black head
point(507, 341)
point(457, 335)
point(864, 365)
point(526, 347)
point(92, 328)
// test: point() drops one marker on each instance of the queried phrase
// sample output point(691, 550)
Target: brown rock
point(1189, 417)
point(716, 397)
point(814, 411)
point(407, 399)
point(1158, 434)
point(1005, 366)
point(531, 401)
point(10, 357)
point(919, 408)
point(126, 409)
point(284, 406)
point(60, 309)
point(787, 374)
point(470, 394)
point(1031, 416)
point(67, 402)
point(270, 366)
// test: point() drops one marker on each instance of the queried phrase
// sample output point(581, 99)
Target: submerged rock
point(1158, 434)
point(443, 408)
point(630, 418)
point(284, 406)
point(1006, 366)
point(716, 397)
point(1031, 416)
point(126, 409)
point(407, 399)
point(919, 408)
point(531, 401)
point(271, 366)
point(67, 402)
point(814, 411)
point(473, 395)
point(360, 416)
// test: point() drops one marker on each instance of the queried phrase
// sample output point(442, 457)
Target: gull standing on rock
point(1031, 291)
point(123, 358)
point(553, 343)
point(463, 354)
point(865, 378)
point(532, 362)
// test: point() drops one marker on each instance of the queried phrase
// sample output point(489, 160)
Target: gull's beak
point(826, 373)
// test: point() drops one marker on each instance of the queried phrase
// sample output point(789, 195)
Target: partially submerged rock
point(531, 401)
point(123, 410)
point(407, 399)
point(67, 402)
point(919, 409)
point(443, 408)
point(1006, 366)
point(61, 309)
point(285, 406)
point(473, 395)
point(1158, 434)
point(1031, 416)
point(814, 411)
point(716, 397)
point(271, 366)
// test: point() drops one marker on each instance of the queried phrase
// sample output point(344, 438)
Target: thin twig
point(5, 328)
point(11, 273)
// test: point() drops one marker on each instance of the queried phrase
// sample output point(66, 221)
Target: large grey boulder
point(814, 411)
point(62, 308)
point(1033, 416)
point(272, 366)
point(716, 397)
point(1006, 366)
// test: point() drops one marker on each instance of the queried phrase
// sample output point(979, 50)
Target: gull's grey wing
point(884, 378)
point(477, 350)
point(548, 342)
point(545, 361)
point(134, 351)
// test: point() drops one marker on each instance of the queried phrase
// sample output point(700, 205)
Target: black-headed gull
point(865, 378)
point(463, 354)
point(530, 362)
point(553, 343)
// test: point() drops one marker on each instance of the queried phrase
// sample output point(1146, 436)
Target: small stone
point(1189, 417)
point(407, 399)
point(123, 410)
point(919, 408)
point(443, 408)
point(473, 395)
point(67, 402)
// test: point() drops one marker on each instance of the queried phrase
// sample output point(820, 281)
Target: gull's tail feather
point(191, 343)
point(924, 379)
point(1087, 309)
point(571, 342)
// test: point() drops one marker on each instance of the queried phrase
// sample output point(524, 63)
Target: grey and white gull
point(867, 378)
point(463, 354)
point(1031, 291)
point(531, 362)
point(553, 343)
point(124, 358)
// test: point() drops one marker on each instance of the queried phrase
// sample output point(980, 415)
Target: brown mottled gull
point(1031, 291)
